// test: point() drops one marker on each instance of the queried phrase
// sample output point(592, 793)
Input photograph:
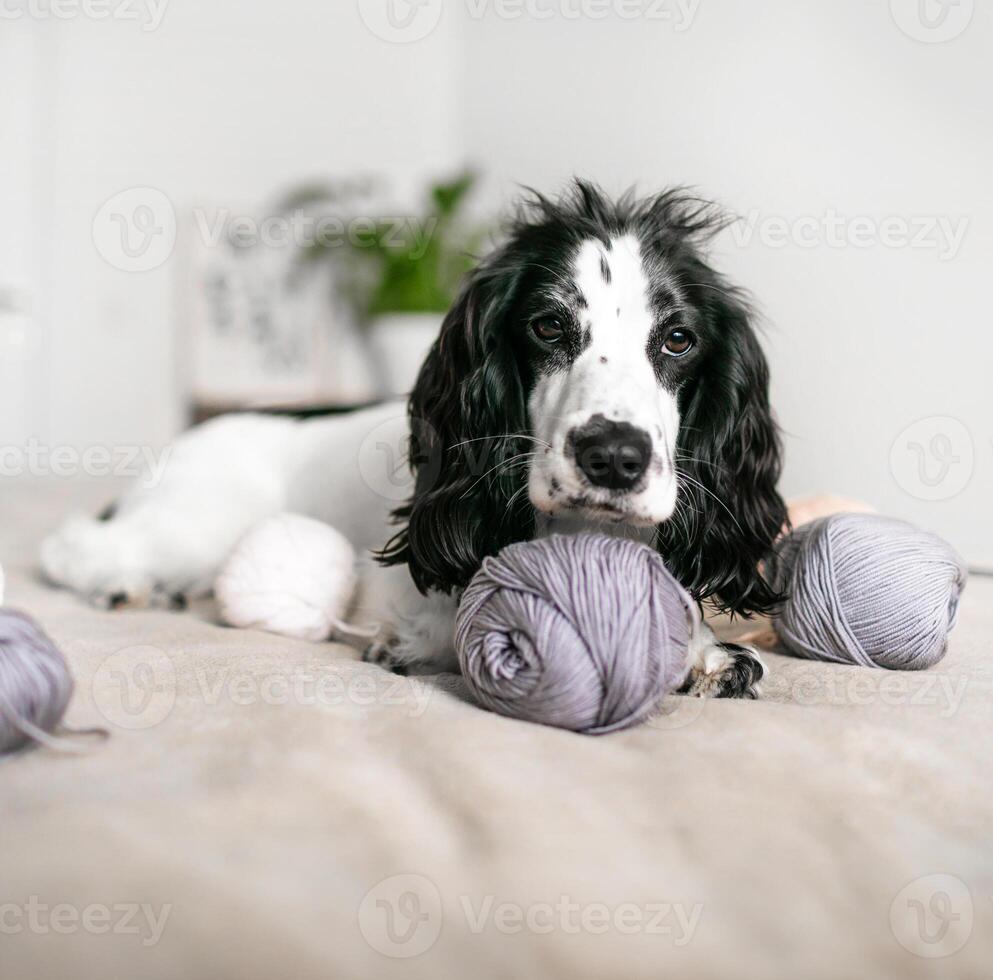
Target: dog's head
point(595, 366)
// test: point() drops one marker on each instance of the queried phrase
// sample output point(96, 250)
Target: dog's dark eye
point(678, 342)
point(548, 330)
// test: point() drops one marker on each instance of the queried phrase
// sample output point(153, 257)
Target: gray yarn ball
point(868, 590)
point(35, 683)
point(584, 632)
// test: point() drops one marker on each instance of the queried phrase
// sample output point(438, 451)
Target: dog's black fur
point(472, 394)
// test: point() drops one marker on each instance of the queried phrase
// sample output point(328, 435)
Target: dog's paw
point(124, 596)
point(383, 653)
point(727, 670)
point(108, 566)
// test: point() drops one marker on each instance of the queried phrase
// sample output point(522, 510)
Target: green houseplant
point(405, 275)
point(401, 272)
point(414, 264)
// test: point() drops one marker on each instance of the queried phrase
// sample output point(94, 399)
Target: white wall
point(225, 102)
point(23, 206)
point(792, 109)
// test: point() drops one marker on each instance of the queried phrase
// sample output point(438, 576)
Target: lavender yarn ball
point(868, 590)
point(35, 683)
point(584, 632)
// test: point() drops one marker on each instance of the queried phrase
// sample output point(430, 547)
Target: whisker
point(510, 435)
point(686, 515)
point(515, 495)
point(696, 459)
point(505, 462)
point(714, 495)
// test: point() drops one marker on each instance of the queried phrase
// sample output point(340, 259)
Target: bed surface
point(290, 811)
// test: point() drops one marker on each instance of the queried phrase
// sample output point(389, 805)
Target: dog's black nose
point(611, 454)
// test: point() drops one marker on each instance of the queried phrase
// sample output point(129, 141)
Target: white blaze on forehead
point(616, 289)
point(614, 374)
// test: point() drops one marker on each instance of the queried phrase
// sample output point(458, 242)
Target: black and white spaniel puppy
point(594, 373)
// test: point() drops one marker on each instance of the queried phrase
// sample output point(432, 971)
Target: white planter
point(399, 344)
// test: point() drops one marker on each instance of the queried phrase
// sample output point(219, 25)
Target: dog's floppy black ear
point(729, 449)
point(468, 433)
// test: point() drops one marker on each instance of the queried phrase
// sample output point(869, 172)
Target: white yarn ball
point(288, 574)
